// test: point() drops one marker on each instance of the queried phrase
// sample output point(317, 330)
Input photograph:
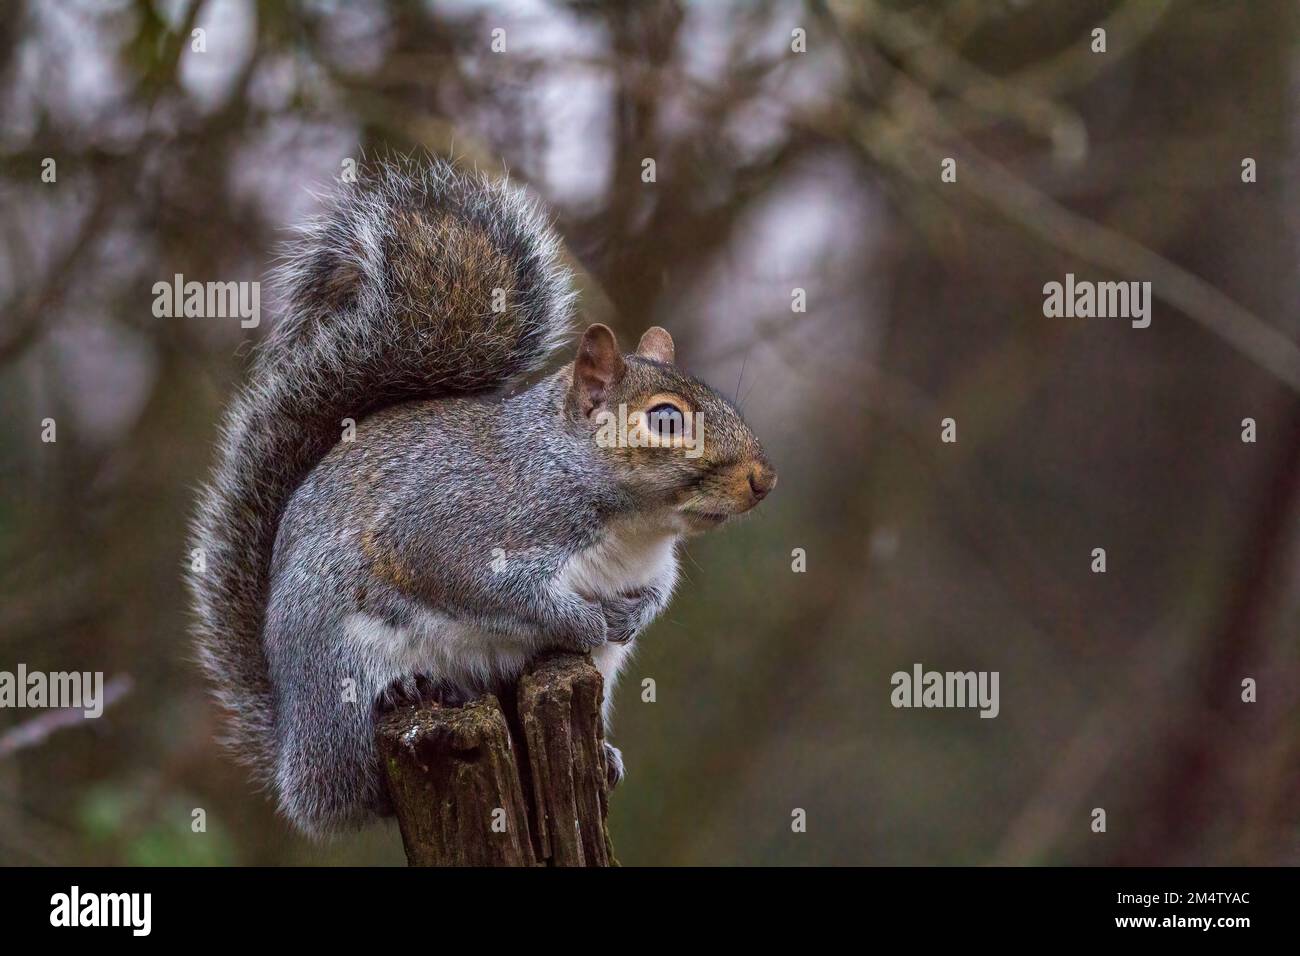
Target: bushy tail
point(418, 281)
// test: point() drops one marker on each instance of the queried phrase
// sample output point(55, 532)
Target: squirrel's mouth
point(707, 519)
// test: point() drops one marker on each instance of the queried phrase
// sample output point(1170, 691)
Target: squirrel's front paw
point(585, 631)
point(624, 617)
point(613, 765)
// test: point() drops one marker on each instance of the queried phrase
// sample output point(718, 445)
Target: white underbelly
point(626, 559)
point(437, 646)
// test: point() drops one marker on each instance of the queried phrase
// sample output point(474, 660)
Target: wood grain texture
point(522, 783)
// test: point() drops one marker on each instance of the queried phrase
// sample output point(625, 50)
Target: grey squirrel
point(464, 527)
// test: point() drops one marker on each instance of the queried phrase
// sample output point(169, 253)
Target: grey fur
point(460, 531)
point(342, 348)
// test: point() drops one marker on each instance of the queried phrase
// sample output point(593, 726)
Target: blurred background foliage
point(776, 170)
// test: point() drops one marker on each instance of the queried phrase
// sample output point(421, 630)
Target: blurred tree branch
point(35, 731)
point(913, 137)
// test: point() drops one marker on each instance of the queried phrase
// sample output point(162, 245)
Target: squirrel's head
point(674, 443)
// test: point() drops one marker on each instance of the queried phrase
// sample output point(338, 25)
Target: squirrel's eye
point(665, 419)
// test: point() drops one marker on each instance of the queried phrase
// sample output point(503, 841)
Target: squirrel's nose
point(762, 479)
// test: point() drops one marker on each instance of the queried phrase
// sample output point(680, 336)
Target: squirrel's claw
point(624, 617)
point(614, 771)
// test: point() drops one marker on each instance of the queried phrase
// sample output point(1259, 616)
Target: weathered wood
point(451, 774)
point(535, 767)
point(559, 712)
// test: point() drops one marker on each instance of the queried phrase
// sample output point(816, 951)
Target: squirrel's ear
point(657, 345)
point(598, 367)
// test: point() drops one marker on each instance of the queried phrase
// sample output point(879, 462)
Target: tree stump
point(519, 780)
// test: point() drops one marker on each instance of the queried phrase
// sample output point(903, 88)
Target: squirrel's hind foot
point(418, 690)
point(614, 771)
